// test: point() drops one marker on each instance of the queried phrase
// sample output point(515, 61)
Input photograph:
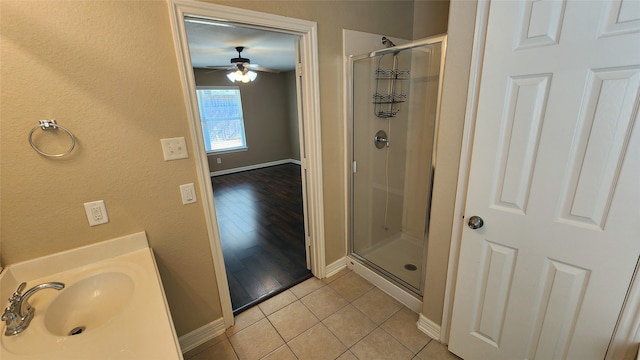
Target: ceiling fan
point(243, 65)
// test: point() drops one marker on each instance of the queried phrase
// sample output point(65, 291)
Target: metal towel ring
point(51, 124)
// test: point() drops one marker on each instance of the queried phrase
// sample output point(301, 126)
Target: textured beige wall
point(107, 70)
point(265, 106)
point(430, 17)
point(454, 97)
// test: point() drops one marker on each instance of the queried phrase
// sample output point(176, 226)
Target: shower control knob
point(475, 222)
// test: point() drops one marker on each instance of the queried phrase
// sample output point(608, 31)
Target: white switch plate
point(96, 212)
point(188, 193)
point(174, 148)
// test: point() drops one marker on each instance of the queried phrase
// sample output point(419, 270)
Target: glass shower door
point(394, 111)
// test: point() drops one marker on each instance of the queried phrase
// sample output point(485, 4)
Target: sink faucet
point(19, 313)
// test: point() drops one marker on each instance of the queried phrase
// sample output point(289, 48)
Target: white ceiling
point(213, 44)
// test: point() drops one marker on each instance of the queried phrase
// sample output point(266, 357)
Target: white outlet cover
point(96, 212)
point(174, 148)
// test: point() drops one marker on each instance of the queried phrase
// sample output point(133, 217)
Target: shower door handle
point(475, 222)
point(381, 140)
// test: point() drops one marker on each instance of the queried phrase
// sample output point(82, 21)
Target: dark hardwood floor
point(261, 222)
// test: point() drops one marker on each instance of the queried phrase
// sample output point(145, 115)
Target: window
point(221, 118)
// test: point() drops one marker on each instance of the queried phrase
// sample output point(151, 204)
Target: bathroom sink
point(112, 306)
point(88, 303)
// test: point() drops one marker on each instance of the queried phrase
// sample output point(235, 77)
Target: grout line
point(349, 302)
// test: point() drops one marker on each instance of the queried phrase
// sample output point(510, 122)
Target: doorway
point(251, 132)
point(309, 126)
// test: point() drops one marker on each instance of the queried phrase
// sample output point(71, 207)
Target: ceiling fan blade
point(263, 69)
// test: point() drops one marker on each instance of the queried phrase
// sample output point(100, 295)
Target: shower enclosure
point(394, 102)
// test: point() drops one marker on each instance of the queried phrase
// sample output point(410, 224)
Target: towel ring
point(51, 124)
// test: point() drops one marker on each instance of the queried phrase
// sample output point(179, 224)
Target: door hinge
point(355, 167)
point(299, 69)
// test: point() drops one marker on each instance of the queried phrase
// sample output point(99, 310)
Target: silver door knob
point(475, 222)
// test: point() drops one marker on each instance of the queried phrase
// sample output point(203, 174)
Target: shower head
point(386, 42)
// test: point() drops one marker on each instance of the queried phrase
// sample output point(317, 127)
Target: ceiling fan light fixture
point(252, 75)
point(242, 77)
point(232, 76)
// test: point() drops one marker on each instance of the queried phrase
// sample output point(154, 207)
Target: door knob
point(475, 222)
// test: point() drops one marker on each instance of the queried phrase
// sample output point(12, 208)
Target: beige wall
point(265, 106)
point(108, 71)
point(430, 18)
point(456, 78)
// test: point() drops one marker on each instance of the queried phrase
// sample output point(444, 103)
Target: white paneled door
point(555, 176)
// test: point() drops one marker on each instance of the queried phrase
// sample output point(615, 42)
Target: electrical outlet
point(218, 160)
point(188, 193)
point(174, 148)
point(96, 212)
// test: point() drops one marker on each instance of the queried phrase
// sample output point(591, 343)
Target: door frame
point(627, 330)
point(310, 139)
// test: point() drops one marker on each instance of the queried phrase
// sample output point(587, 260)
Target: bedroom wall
point(266, 106)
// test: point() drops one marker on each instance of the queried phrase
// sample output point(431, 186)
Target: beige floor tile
point(351, 286)
point(209, 343)
point(306, 287)
point(436, 351)
point(348, 355)
point(317, 343)
point(245, 319)
point(277, 302)
point(219, 351)
point(281, 353)
point(324, 302)
point(380, 346)
point(349, 325)
point(402, 326)
point(292, 320)
point(256, 341)
point(377, 305)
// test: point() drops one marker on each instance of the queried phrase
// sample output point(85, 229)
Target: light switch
point(188, 193)
point(174, 148)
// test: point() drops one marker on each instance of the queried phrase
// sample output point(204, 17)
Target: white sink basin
point(89, 303)
point(112, 306)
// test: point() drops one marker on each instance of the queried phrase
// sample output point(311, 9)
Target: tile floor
point(343, 317)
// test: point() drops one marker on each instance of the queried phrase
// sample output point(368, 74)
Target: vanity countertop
point(113, 305)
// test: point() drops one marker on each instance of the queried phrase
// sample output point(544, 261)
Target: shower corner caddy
point(386, 103)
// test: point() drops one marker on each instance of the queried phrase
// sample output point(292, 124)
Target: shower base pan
point(403, 296)
point(400, 255)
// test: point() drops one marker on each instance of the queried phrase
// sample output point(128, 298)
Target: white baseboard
point(430, 328)
point(335, 267)
point(201, 335)
point(253, 167)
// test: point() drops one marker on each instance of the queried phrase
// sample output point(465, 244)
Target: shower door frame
point(350, 163)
